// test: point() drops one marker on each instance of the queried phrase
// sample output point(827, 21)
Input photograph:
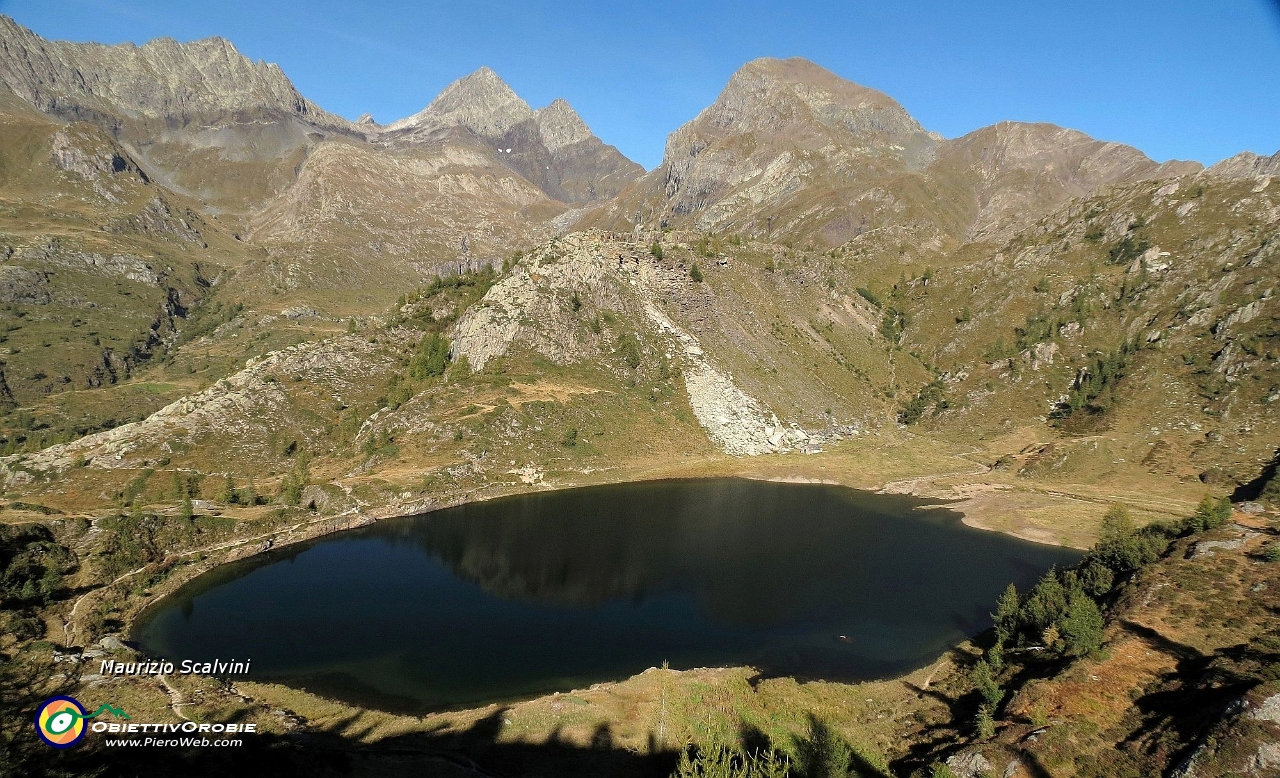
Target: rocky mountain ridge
point(177, 83)
point(790, 150)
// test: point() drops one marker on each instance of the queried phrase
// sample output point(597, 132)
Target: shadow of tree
point(476, 752)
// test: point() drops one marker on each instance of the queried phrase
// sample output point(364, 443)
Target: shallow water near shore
point(551, 591)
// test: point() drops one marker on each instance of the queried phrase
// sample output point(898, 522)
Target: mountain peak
point(796, 98)
point(560, 125)
point(482, 102)
point(161, 78)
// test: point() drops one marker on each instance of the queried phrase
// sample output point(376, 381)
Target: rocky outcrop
point(126, 266)
point(734, 420)
point(246, 406)
point(532, 308)
point(23, 286)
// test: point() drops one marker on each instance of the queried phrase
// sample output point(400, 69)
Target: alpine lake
point(556, 590)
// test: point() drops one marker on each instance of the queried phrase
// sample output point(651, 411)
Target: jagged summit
point(1246, 164)
point(552, 147)
point(482, 102)
point(560, 125)
point(161, 79)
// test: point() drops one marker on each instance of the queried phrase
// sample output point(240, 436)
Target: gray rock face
point(791, 150)
point(560, 125)
point(551, 147)
point(776, 123)
point(1247, 165)
point(1010, 169)
point(163, 79)
point(23, 285)
point(480, 102)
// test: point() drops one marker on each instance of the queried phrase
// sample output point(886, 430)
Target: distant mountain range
point(150, 186)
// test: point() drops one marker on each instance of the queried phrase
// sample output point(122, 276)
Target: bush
point(1211, 514)
point(1128, 249)
point(570, 438)
point(656, 250)
point(695, 273)
point(985, 723)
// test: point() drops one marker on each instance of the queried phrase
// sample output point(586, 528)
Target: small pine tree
point(1211, 513)
point(656, 250)
point(984, 681)
point(695, 273)
point(228, 495)
point(1008, 609)
point(995, 657)
point(186, 511)
point(1082, 628)
point(985, 723)
point(1117, 524)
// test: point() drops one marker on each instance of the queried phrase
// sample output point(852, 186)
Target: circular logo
point(60, 721)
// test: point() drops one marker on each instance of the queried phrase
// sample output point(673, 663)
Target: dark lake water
point(555, 590)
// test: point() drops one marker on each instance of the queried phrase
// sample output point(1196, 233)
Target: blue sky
point(1188, 79)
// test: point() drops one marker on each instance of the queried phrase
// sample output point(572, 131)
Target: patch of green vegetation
point(930, 396)
point(1129, 248)
point(32, 566)
point(1095, 387)
point(870, 296)
point(431, 358)
point(629, 349)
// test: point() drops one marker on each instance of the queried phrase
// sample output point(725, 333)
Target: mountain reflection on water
point(545, 591)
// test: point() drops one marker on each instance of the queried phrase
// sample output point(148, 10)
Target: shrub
point(1128, 249)
point(656, 250)
point(570, 438)
point(1211, 513)
point(695, 273)
point(929, 396)
point(725, 762)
